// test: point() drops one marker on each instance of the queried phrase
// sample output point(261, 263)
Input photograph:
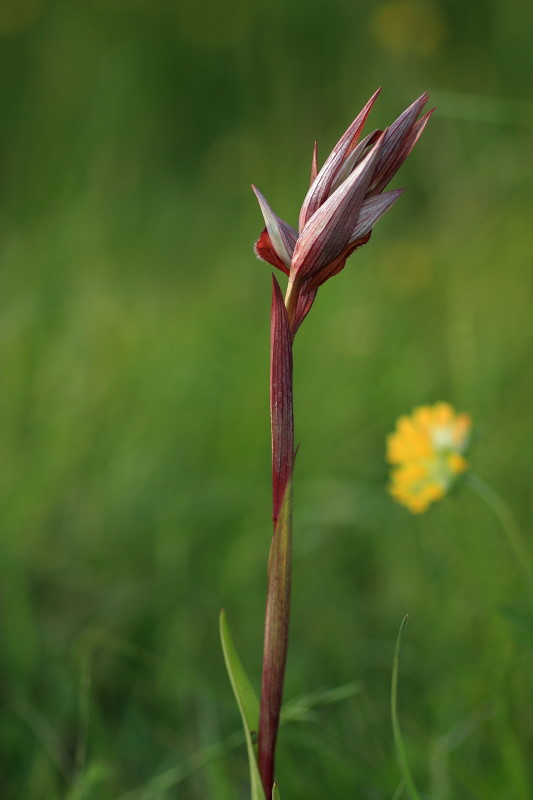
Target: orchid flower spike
point(345, 200)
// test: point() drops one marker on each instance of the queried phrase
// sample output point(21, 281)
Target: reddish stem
point(279, 568)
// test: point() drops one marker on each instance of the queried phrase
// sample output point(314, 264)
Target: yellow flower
point(426, 451)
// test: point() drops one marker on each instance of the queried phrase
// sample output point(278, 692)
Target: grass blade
point(398, 738)
point(247, 702)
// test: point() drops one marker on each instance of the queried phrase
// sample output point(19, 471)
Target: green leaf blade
point(247, 702)
point(398, 738)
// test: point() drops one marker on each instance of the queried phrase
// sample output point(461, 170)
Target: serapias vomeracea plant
point(345, 200)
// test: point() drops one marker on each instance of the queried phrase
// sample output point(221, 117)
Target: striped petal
point(354, 157)
point(327, 233)
point(334, 267)
point(282, 235)
point(372, 210)
point(394, 151)
point(320, 189)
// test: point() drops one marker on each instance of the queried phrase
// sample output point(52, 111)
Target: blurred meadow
point(134, 434)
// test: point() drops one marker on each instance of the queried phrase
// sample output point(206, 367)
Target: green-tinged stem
point(506, 519)
point(276, 641)
point(291, 300)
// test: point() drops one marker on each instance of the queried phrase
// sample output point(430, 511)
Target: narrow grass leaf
point(247, 702)
point(300, 708)
point(398, 738)
point(399, 790)
point(275, 792)
point(89, 784)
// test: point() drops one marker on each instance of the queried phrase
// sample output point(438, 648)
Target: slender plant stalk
point(345, 200)
point(279, 565)
point(506, 519)
point(275, 645)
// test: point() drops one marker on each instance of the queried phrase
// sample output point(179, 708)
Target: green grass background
point(134, 439)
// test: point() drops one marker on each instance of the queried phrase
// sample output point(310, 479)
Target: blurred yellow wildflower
point(426, 451)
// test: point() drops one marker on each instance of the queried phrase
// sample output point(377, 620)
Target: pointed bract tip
point(373, 97)
point(424, 97)
point(419, 103)
point(257, 193)
point(421, 123)
point(275, 285)
point(314, 164)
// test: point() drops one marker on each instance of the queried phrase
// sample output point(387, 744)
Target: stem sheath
point(279, 569)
